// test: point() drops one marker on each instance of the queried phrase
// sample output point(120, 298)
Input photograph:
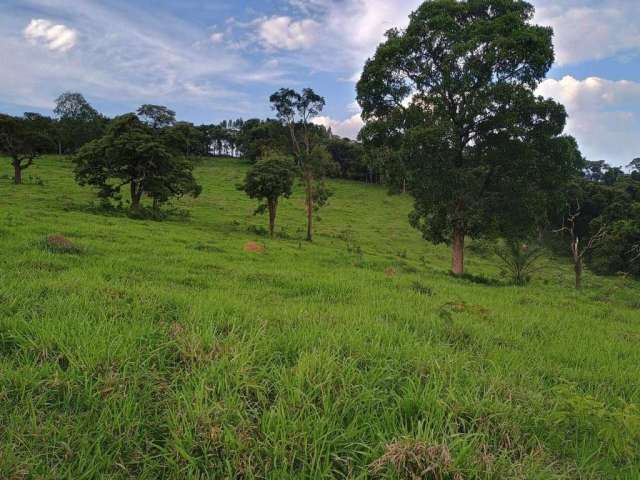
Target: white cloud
point(604, 115)
point(127, 56)
point(217, 37)
point(344, 128)
point(352, 29)
point(286, 33)
point(56, 37)
point(592, 33)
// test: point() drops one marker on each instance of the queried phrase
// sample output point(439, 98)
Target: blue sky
point(212, 59)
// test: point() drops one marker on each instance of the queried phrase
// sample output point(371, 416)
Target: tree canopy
point(268, 180)
point(130, 154)
point(455, 93)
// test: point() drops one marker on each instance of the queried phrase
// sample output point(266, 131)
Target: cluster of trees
point(452, 119)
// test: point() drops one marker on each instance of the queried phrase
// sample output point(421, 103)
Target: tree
point(183, 137)
point(580, 246)
point(130, 154)
point(257, 138)
point(296, 110)
point(79, 122)
point(22, 142)
point(634, 166)
point(157, 116)
point(456, 89)
point(269, 179)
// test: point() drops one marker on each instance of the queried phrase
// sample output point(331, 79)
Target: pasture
point(166, 350)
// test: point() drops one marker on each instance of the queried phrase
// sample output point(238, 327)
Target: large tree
point(482, 151)
point(130, 154)
point(296, 111)
point(22, 141)
point(269, 179)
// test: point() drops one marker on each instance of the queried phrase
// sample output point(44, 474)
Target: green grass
point(164, 350)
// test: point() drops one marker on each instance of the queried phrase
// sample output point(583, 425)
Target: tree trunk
point(578, 270)
point(273, 205)
point(17, 176)
point(309, 209)
point(457, 264)
point(136, 195)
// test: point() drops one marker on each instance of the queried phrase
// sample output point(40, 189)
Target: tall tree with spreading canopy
point(268, 180)
point(482, 152)
point(296, 111)
point(131, 154)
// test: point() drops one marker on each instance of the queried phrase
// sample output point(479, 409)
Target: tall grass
point(165, 350)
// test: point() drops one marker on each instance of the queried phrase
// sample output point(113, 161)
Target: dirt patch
point(61, 244)
point(253, 247)
point(390, 272)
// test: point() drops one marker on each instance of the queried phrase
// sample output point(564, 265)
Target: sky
point(211, 60)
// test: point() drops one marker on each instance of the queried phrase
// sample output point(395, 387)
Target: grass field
point(164, 350)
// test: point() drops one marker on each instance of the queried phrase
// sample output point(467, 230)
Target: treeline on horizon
point(75, 122)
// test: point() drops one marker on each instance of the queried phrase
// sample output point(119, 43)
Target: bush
point(519, 261)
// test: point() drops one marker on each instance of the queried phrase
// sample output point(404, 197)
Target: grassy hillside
point(164, 350)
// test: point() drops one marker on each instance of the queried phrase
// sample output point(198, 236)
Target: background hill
point(165, 350)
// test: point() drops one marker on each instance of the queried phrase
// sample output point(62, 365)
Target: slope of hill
point(165, 350)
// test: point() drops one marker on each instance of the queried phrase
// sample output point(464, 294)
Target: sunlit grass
point(164, 350)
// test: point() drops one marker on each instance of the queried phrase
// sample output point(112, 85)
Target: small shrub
point(61, 244)
point(519, 261)
point(421, 289)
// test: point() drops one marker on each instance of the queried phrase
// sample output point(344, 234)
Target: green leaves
point(453, 94)
point(131, 154)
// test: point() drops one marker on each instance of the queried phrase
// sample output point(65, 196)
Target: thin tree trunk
point(309, 210)
point(578, 270)
point(17, 177)
point(273, 205)
point(457, 264)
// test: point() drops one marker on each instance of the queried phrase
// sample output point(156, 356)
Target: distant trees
point(258, 137)
point(130, 154)
point(78, 122)
point(22, 141)
point(156, 116)
point(454, 91)
point(268, 180)
point(296, 110)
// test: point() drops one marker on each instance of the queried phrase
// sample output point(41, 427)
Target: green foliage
point(78, 122)
point(268, 180)
point(130, 154)
point(21, 140)
point(453, 92)
point(520, 260)
point(257, 138)
point(166, 351)
point(156, 116)
point(614, 208)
